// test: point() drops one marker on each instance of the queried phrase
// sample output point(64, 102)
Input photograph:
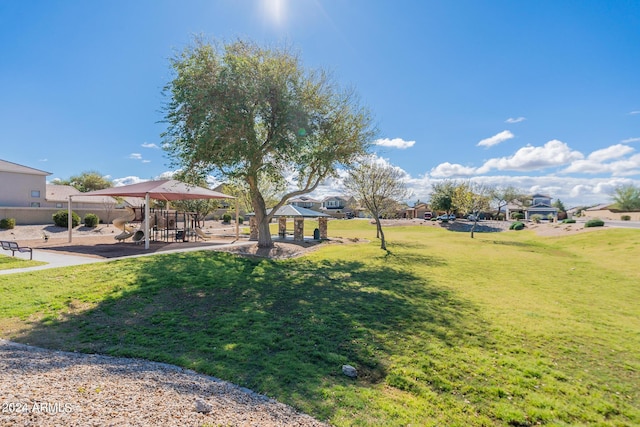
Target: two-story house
point(306, 202)
point(540, 205)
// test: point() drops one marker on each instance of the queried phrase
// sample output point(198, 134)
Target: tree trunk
point(264, 234)
point(383, 243)
point(473, 227)
point(262, 219)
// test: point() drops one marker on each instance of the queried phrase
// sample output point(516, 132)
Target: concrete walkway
point(54, 260)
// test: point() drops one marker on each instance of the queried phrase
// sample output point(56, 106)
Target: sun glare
point(275, 11)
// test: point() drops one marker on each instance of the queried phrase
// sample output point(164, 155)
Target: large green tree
point(379, 187)
point(442, 196)
point(627, 197)
point(251, 113)
point(87, 181)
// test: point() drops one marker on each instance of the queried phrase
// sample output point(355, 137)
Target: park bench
point(14, 247)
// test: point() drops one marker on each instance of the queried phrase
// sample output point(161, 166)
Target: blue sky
point(542, 95)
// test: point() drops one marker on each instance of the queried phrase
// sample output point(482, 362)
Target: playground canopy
point(165, 189)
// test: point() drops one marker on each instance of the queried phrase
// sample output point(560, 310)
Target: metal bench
point(14, 247)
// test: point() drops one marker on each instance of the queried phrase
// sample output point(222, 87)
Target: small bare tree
point(471, 198)
point(378, 187)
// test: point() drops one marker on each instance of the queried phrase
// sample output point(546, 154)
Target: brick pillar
point(298, 229)
point(282, 226)
point(253, 228)
point(323, 223)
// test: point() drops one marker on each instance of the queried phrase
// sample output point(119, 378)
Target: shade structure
point(291, 210)
point(164, 189)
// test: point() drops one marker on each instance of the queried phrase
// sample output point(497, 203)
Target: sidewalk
point(55, 260)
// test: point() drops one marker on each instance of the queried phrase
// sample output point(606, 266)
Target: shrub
point(516, 226)
point(536, 218)
point(7, 223)
point(517, 216)
point(61, 219)
point(91, 220)
point(626, 217)
point(500, 217)
point(240, 220)
point(226, 218)
point(568, 221)
point(594, 223)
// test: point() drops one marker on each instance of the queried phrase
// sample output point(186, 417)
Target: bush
point(536, 218)
point(61, 219)
point(226, 218)
point(8, 223)
point(626, 217)
point(517, 216)
point(568, 221)
point(91, 220)
point(240, 220)
point(516, 226)
point(594, 223)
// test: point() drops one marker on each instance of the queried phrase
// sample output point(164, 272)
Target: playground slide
point(201, 234)
point(121, 224)
point(138, 236)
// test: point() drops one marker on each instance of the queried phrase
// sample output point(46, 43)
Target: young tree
point(378, 187)
point(471, 198)
point(627, 197)
point(502, 195)
point(247, 113)
point(87, 181)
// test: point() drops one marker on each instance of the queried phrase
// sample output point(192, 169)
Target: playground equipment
point(138, 236)
point(122, 223)
point(164, 225)
point(201, 234)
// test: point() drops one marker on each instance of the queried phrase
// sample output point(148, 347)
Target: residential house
point(540, 205)
point(306, 202)
point(26, 196)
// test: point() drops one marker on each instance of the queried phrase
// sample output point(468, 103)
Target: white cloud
point(394, 143)
point(127, 180)
point(43, 160)
point(553, 153)
point(447, 170)
point(135, 156)
point(515, 120)
point(633, 113)
point(146, 161)
point(496, 139)
point(629, 140)
point(610, 153)
point(149, 145)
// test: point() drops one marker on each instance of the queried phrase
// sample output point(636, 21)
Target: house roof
point(303, 199)
point(61, 193)
point(6, 166)
point(290, 210)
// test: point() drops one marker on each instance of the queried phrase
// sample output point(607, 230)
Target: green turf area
point(505, 329)
point(8, 262)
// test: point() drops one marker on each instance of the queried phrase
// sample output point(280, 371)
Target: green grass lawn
point(504, 329)
point(8, 262)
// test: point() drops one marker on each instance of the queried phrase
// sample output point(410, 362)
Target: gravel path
point(41, 387)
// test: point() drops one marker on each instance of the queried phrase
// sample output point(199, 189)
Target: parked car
point(473, 218)
point(428, 215)
point(446, 217)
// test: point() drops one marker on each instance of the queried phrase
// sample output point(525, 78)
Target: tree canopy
point(87, 181)
point(255, 114)
point(627, 197)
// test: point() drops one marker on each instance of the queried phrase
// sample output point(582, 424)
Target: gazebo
point(298, 214)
